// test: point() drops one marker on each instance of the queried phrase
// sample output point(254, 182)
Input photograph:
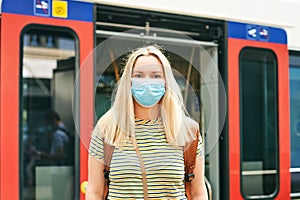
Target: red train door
point(43, 45)
point(259, 158)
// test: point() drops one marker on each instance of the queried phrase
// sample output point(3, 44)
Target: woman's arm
point(198, 189)
point(95, 179)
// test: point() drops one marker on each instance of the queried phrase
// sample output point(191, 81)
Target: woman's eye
point(156, 76)
point(137, 76)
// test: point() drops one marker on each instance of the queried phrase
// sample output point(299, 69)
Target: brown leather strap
point(143, 170)
point(108, 151)
point(190, 151)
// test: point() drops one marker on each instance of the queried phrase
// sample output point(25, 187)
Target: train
point(237, 63)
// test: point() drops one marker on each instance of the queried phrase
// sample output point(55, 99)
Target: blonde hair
point(117, 125)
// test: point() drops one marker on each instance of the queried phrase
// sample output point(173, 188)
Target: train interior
point(200, 92)
point(195, 58)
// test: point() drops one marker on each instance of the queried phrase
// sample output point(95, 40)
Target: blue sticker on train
point(41, 7)
point(256, 33)
point(263, 33)
point(251, 32)
point(77, 10)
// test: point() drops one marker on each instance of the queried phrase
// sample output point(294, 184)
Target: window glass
point(258, 123)
point(295, 120)
point(47, 125)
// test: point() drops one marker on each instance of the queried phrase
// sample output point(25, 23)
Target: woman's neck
point(146, 113)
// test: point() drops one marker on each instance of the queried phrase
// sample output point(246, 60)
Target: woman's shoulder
point(102, 124)
point(193, 124)
point(98, 129)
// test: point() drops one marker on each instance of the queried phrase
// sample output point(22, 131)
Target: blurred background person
point(58, 137)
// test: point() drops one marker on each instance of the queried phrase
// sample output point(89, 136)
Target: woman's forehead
point(148, 63)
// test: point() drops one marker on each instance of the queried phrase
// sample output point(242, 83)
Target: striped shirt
point(164, 164)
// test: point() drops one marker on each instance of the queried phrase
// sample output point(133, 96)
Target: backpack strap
point(190, 151)
point(143, 170)
point(108, 152)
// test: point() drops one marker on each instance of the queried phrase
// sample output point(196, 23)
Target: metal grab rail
point(208, 188)
point(187, 42)
point(295, 195)
point(259, 172)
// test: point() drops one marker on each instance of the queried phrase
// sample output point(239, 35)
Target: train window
point(47, 139)
point(258, 123)
point(295, 122)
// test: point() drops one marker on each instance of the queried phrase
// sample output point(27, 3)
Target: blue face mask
point(147, 91)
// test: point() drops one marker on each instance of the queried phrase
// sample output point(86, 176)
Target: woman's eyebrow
point(140, 72)
point(157, 72)
point(137, 72)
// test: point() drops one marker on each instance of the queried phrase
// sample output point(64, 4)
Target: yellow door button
point(60, 9)
point(83, 187)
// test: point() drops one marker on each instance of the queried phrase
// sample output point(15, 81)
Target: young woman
point(148, 127)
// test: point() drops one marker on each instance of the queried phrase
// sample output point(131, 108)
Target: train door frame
point(272, 39)
point(11, 27)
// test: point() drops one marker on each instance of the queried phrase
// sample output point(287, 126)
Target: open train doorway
point(47, 133)
point(193, 49)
